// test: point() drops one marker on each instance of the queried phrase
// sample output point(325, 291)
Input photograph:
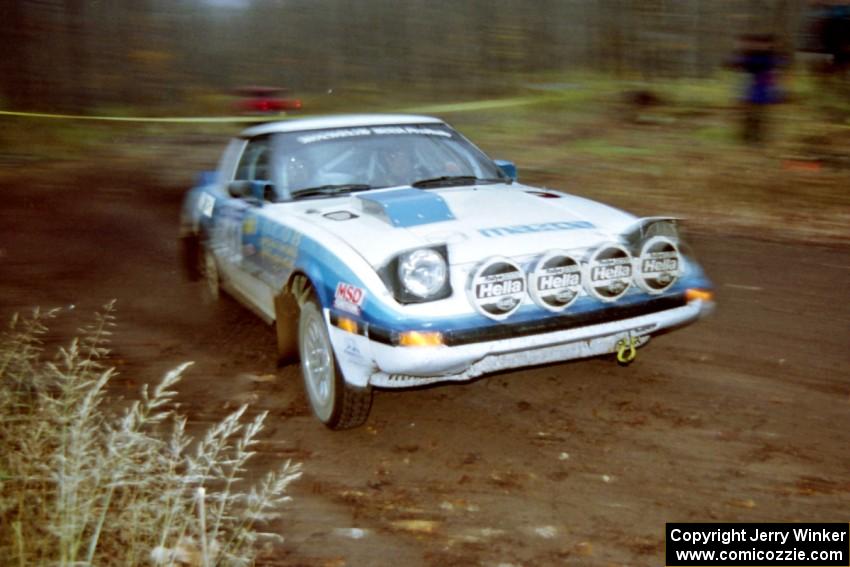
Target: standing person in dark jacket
point(760, 61)
point(835, 36)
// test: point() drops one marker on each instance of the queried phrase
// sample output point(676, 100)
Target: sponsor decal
point(249, 226)
point(419, 130)
point(555, 281)
point(278, 256)
point(497, 288)
point(371, 131)
point(349, 298)
point(533, 228)
point(206, 204)
point(352, 351)
point(658, 264)
point(609, 272)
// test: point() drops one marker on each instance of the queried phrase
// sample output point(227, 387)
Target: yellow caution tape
point(178, 120)
point(429, 109)
point(481, 104)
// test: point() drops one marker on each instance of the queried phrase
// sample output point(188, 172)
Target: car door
point(238, 238)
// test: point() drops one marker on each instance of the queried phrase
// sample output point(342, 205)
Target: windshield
point(317, 162)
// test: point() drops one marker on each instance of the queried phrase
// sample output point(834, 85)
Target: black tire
point(334, 402)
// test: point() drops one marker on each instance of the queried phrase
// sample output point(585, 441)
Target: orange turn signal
point(699, 294)
point(420, 338)
point(346, 324)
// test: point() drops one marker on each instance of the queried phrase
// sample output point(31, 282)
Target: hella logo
point(490, 289)
point(547, 283)
point(660, 265)
point(603, 273)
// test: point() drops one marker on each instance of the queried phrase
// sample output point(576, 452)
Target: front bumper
point(370, 359)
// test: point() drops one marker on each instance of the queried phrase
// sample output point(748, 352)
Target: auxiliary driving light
point(420, 338)
point(694, 294)
point(347, 324)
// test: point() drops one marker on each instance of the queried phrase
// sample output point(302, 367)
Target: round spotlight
point(497, 288)
point(609, 272)
point(658, 265)
point(555, 282)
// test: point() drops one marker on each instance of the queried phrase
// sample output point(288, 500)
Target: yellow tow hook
point(627, 350)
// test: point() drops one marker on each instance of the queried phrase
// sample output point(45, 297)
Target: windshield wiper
point(331, 190)
point(451, 180)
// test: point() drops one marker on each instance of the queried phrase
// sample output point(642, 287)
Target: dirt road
point(743, 417)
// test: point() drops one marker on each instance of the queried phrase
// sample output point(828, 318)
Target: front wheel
point(337, 404)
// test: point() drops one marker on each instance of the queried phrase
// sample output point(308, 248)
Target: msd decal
point(349, 298)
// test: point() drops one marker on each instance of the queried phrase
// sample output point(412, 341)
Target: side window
point(254, 164)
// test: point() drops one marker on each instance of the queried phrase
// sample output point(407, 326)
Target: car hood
point(474, 222)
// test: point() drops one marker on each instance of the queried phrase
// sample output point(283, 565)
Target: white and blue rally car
point(390, 252)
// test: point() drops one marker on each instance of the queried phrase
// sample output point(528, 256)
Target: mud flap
point(353, 357)
point(190, 257)
point(286, 313)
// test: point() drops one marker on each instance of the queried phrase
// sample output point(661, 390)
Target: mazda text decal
point(532, 228)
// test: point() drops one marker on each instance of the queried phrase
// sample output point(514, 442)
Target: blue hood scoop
point(404, 208)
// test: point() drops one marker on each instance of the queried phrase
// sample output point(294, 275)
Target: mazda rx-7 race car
point(390, 252)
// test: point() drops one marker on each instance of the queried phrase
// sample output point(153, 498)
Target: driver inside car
point(297, 173)
point(399, 167)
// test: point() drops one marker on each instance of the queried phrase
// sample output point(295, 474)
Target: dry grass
point(79, 486)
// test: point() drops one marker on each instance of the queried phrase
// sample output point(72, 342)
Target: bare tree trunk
point(76, 70)
point(16, 87)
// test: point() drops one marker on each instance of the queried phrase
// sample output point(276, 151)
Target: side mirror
point(239, 188)
point(508, 168)
point(255, 192)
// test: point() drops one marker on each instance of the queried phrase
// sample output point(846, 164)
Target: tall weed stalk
point(80, 485)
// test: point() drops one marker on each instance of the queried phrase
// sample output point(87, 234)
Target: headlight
point(422, 272)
